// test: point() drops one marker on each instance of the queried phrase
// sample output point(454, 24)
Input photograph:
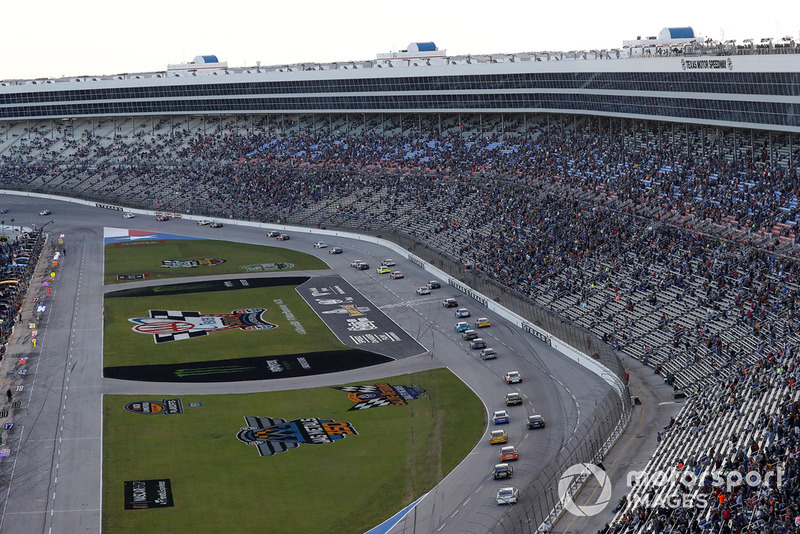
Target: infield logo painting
point(165, 407)
point(371, 395)
point(271, 436)
point(166, 326)
point(191, 264)
point(144, 494)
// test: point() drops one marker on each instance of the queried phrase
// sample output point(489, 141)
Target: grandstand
point(648, 195)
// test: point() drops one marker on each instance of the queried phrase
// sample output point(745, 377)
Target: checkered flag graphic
point(175, 316)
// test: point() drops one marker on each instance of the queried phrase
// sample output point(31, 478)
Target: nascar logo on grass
point(370, 395)
point(166, 325)
point(271, 436)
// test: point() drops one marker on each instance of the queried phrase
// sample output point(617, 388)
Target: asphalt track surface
point(51, 483)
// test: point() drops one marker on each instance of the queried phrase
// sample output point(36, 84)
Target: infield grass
point(345, 487)
point(123, 346)
point(146, 258)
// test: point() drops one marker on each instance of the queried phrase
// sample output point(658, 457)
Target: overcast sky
point(83, 37)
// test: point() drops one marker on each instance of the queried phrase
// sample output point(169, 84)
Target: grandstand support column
point(383, 127)
point(363, 121)
point(752, 146)
point(460, 127)
point(330, 126)
point(419, 123)
point(439, 119)
point(771, 153)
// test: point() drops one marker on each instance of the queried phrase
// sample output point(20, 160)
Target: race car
point(383, 270)
point(434, 284)
point(45, 212)
point(498, 436)
point(397, 274)
point(483, 322)
point(477, 343)
point(388, 262)
point(449, 303)
point(462, 312)
point(513, 399)
point(513, 377)
point(423, 291)
point(502, 471)
point(535, 421)
point(462, 326)
point(283, 237)
point(501, 416)
point(507, 496)
point(335, 250)
point(273, 233)
point(509, 452)
point(469, 334)
point(203, 222)
point(320, 244)
point(488, 354)
point(162, 218)
point(128, 215)
point(216, 225)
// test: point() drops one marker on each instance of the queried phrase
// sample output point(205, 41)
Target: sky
point(90, 37)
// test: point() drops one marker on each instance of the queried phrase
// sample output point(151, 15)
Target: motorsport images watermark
point(674, 499)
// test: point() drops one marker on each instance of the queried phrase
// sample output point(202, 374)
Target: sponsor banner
point(468, 291)
point(416, 260)
point(169, 214)
point(144, 494)
point(353, 319)
point(163, 407)
point(368, 396)
point(107, 206)
point(271, 436)
point(168, 325)
point(204, 286)
point(536, 332)
point(707, 64)
point(262, 267)
point(191, 264)
point(139, 276)
point(252, 368)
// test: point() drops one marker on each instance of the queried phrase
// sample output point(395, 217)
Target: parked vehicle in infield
point(383, 270)
point(462, 313)
point(469, 334)
point(273, 233)
point(423, 291)
point(203, 222)
point(477, 343)
point(335, 250)
point(513, 377)
point(498, 436)
point(449, 303)
point(397, 275)
point(462, 326)
point(283, 237)
point(215, 225)
point(502, 471)
point(488, 354)
point(507, 496)
point(320, 244)
point(128, 215)
point(389, 262)
point(45, 212)
point(513, 398)
point(535, 421)
point(482, 322)
point(434, 284)
point(162, 218)
point(500, 416)
point(509, 452)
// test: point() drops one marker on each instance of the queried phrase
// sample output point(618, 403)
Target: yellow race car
point(498, 436)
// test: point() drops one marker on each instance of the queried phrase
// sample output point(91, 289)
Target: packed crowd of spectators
point(675, 248)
